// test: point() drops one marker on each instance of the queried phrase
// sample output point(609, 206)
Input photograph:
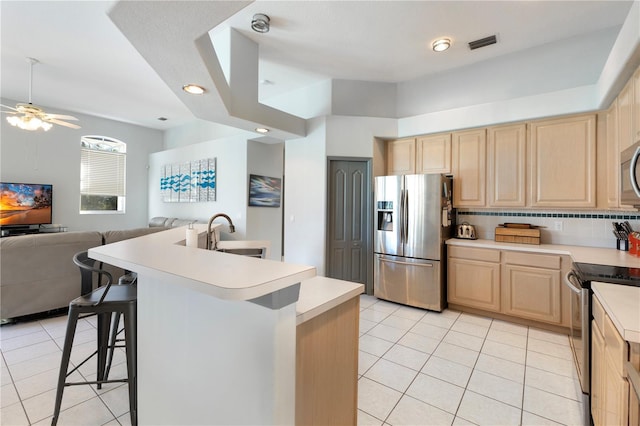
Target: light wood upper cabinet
point(506, 165)
point(433, 154)
point(401, 157)
point(613, 157)
point(635, 118)
point(625, 116)
point(468, 164)
point(563, 162)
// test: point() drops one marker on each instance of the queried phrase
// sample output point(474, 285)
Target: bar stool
point(103, 302)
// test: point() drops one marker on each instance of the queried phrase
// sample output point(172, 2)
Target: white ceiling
point(88, 66)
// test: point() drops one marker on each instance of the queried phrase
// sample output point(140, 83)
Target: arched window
point(103, 162)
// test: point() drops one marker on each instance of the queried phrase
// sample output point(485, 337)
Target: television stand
point(14, 232)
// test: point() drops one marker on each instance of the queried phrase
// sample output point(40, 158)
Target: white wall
point(305, 195)
point(54, 157)
point(265, 223)
point(231, 182)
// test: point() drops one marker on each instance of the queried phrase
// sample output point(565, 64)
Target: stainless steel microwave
point(630, 175)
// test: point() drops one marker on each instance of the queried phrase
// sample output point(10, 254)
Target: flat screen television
point(25, 204)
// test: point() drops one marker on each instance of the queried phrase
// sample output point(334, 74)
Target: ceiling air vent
point(477, 44)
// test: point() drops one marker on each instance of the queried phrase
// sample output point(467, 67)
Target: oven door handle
point(569, 283)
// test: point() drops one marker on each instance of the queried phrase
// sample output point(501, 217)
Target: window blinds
point(102, 173)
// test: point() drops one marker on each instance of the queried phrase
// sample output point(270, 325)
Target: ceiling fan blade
point(8, 107)
point(63, 123)
point(60, 116)
point(9, 112)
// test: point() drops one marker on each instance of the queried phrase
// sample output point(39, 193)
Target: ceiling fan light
point(441, 44)
point(29, 123)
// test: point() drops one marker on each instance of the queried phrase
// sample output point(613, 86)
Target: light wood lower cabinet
point(474, 283)
point(609, 386)
point(532, 293)
point(327, 367)
point(518, 284)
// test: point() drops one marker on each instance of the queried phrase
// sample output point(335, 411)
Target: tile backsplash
point(577, 228)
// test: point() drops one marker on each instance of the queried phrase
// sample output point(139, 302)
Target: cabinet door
point(401, 157)
point(625, 116)
point(506, 163)
point(563, 162)
point(597, 375)
point(635, 117)
point(468, 163)
point(474, 283)
point(613, 157)
point(616, 389)
point(433, 154)
point(532, 293)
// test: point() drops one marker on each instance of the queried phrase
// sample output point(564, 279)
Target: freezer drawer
point(413, 282)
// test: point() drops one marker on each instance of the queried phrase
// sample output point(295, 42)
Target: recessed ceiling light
point(193, 89)
point(441, 44)
point(260, 23)
point(262, 130)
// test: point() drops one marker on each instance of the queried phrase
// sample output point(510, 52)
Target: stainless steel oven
point(580, 333)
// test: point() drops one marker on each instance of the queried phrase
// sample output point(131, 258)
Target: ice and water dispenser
point(385, 215)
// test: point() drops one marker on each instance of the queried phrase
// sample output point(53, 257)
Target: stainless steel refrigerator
point(413, 217)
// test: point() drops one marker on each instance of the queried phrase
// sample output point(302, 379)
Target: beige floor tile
point(438, 320)
point(509, 327)
point(529, 419)
point(396, 321)
point(507, 338)
point(459, 421)
point(549, 348)
point(419, 342)
point(5, 376)
point(409, 312)
point(13, 415)
point(30, 352)
point(436, 392)
point(385, 332)
point(500, 350)
point(11, 331)
point(551, 363)
point(372, 315)
point(375, 399)
point(365, 361)
point(8, 395)
point(391, 375)
point(367, 300)
point(482, 410)
point(411, 412)
point(429, 330)
point(549, 336)
point(25, 340)
point(117, 400)
point(557, 408)
point(463, 340)
point(365, 325)
point(29, 368)
point(567, 387)
point(475, 319)
point(496, 387)
point(501, 367)
point(384, 306)
point(447, 370)
point(37, 384)
point(93, 409)
point(407, 357)
point(449, 313)
point(470, 328)
point(365, 419)
point(374, 345)
point(466, 357)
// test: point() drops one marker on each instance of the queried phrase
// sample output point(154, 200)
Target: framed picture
point(264, 191)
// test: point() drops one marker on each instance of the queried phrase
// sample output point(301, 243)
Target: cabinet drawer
point(534, 260)
point(615, 346)
point(471, 253)
point(598, 313)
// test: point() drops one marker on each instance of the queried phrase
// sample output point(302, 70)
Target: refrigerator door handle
point(401, 219)
point(428, 265)
point(405, 218)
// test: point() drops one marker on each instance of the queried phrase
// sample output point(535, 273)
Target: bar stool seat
point(104, 302)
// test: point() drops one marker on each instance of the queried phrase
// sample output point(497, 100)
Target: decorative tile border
point(598, 215)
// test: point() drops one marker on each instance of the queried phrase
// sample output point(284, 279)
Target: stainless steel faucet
point(212, 243)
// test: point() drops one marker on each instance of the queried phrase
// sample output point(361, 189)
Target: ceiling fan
point(32, 117)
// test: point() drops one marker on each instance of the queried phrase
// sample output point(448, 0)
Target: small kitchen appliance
point(630, 175)
point(466, 231)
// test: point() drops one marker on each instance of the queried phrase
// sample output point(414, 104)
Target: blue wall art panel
point(189, 182)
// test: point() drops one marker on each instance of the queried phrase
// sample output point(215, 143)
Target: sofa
point(37, 273)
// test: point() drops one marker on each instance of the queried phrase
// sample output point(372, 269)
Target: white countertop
point(319, 294)
point(226, 276)
point(597, 255)
point(622, 304)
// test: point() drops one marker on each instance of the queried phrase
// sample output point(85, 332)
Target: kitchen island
point(216, 331)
